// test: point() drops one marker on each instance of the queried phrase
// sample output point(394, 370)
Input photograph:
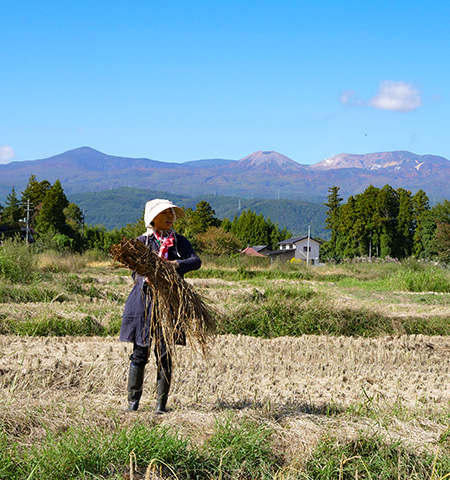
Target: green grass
point(410, 276)
point(243, 448)
point(374, 458)
point(235, 450)
point(243, 273)
point(55, 326)
point(271, 319)
point(297, 304)
point(13, 293)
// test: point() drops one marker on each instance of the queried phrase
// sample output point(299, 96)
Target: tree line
point(46, 211)
point(386, 222)
point(57, 223)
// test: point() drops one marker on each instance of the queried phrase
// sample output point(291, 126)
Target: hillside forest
point(377, 223)
point(52, 222)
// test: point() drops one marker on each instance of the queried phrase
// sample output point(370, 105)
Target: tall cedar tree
point(35, 192)
point(333, 216)
point(51, 216)
point(12, 211)
point(378, 222)
point(423, 225)
point(441, 241)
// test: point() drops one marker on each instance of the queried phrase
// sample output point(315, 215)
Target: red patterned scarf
point(165, 243)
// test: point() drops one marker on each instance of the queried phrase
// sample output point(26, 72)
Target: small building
point(302, 248)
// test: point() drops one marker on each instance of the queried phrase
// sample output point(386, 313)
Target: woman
point(159, 217)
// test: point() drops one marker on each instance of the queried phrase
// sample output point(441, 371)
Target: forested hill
point(117, 207)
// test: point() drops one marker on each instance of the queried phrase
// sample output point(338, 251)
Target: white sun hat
point(158, 205)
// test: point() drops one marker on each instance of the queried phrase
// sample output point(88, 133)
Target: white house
point(303, 248)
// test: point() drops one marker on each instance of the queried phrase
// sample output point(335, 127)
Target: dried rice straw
point(176, 307)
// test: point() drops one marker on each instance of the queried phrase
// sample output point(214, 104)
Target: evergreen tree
point(226, 224)
point(12, 212)
point(74, 216)
point(368, 221)
point(333, 217)
point(253, 229)
point(202, 218)
point(442, 241)
point(51, 217)
point(349, 231)
point(424, 226)
point(382, 222)
point(441, 238)
point(195, 222)
point(277, 235)
point(388, 212)
point(405, 224)
point(35, 192)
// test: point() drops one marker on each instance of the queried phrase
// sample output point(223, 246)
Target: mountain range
point(263, 174)
point(112, 190)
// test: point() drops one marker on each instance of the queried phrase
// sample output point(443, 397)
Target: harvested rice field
point(309, 390)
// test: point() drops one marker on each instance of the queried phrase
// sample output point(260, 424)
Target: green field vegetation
point(56, 294)
point(241, 450)
point(267, 301)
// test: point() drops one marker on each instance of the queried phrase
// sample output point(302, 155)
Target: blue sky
point(187, 80)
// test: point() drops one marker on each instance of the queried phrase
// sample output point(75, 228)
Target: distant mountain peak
point(268, 159)
point(400, 159)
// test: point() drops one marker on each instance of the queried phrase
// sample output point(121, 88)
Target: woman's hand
point(174, 263)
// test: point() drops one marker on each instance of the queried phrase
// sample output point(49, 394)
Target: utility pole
point(307, 248)
point(27, 231)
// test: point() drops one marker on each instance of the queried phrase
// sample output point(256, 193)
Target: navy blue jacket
point(136, 316)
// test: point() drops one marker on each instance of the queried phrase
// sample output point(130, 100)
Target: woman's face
point(164, 220)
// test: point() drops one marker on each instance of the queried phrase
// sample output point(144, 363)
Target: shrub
point(216, 241)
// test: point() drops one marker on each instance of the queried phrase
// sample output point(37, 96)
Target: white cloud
point(391, 95)
point(6, 153)
point(397, 97)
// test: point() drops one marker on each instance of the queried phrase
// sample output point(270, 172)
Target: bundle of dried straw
point(176, 307)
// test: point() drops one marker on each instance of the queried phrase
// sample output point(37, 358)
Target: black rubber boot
point(162, 389)
point(135, 382)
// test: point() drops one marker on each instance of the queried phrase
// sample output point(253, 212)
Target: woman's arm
point(189, 259)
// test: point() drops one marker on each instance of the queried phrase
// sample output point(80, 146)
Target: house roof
point(298, 239)
point(259, 247)
point(252, 252)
